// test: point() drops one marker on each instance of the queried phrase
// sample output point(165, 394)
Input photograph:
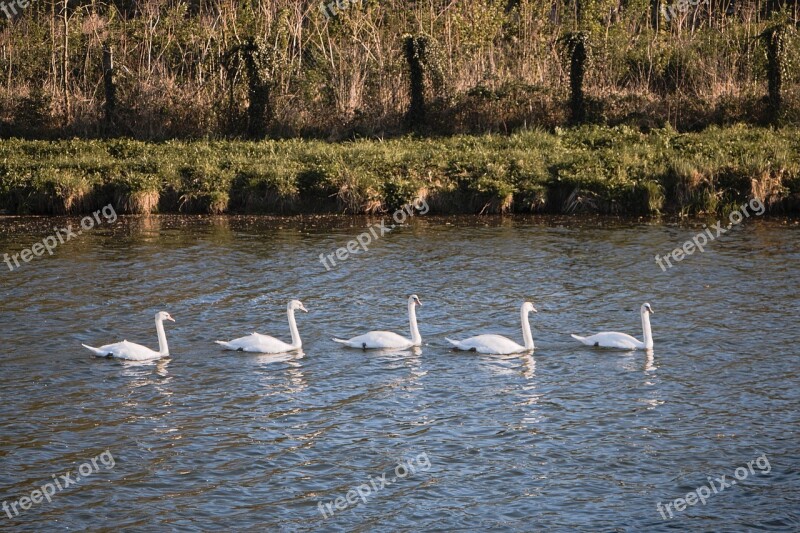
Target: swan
point(264, 343)
point(136, 352)
point(623, 341)
point(388, 339)
point(497, 344)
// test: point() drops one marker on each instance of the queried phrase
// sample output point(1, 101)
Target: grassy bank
point(589, 169)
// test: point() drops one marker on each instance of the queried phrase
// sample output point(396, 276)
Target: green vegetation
point(586, 169)
point(194, 69)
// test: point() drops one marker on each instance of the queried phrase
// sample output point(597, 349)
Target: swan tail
point(94, 350)
point(579, 338)
point(226, 344)
point(454, 343)
point(340, 341)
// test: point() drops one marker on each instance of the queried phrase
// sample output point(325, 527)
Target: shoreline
point(586, 170)
point(354, 221)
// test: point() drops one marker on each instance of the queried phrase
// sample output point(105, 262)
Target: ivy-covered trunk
point(414, 50)
point(252, 58)
point(577, 52)
point(774, 39)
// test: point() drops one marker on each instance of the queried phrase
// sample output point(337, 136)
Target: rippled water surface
point(570, 438)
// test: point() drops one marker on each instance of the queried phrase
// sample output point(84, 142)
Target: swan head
point(414, 299)
point(294, 305)
point(527, 306)
point(647, 309)
point(161, 316)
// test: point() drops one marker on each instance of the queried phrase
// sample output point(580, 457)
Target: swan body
point(489, 344)
point(623, 341)
point(136, 352)
point(497, 344)
point(388, 339)
point(258, 343)
point(377, 340)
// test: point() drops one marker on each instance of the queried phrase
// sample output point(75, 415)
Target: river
point(568, 438)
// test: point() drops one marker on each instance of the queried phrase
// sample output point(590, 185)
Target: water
point(569, 438)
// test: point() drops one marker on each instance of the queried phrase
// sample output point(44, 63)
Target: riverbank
point(589, 169)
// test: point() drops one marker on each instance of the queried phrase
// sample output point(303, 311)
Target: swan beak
point(302, 308)
point(419, 303)
point(534, 309)
point(170, 319)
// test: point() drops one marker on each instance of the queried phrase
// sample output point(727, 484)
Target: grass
point(613, 170)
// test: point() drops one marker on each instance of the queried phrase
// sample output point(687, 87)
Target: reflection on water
point(649, 361)
point(569, 437)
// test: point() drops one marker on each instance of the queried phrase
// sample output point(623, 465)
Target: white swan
point(137, 352)
point(623, 341)
point(497, 344)
point(388, 339)
point(264, 343)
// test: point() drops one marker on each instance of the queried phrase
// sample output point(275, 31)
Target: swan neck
point(648, 334)
point(296, 342)
point(526, 329)
point(416, 338)
point(163, 348)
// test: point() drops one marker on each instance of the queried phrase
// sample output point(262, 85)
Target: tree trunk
point(65, 65)
point(110, 86)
